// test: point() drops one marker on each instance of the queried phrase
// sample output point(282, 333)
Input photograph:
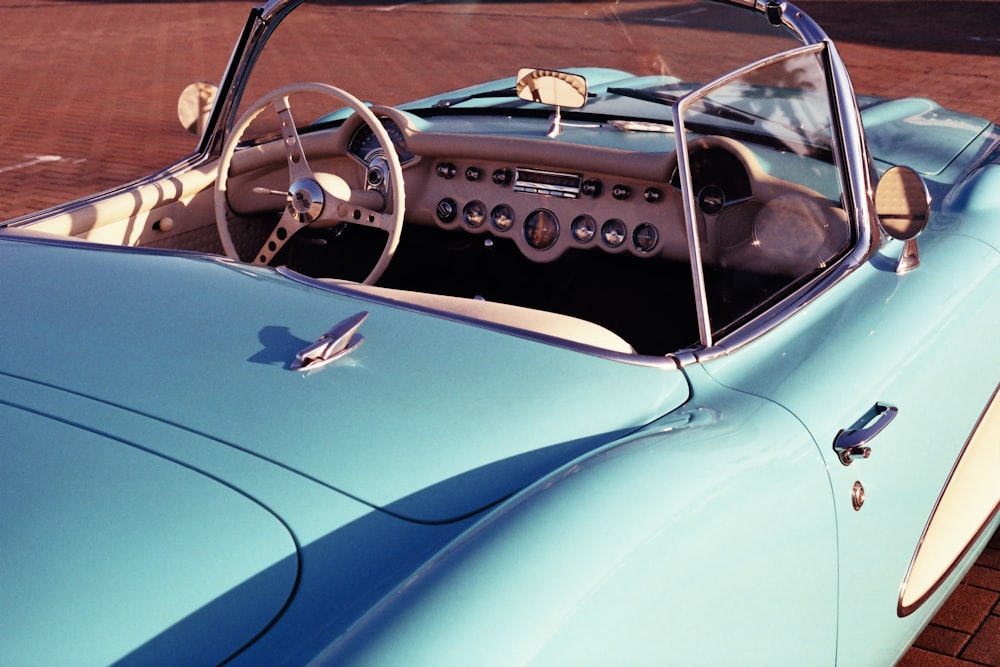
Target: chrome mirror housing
point(903, 204)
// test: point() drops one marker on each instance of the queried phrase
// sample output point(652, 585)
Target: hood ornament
point(339, 341)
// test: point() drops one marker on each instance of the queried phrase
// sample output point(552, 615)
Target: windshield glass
point(772, 127)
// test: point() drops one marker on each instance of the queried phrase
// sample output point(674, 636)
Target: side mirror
point(195, 104)
point(903, 206)
point(552, 87)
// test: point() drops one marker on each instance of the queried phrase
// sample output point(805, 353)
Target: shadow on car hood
point(88, 519)
point(430, 419)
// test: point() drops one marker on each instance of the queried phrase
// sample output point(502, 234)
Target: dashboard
point(550, 196)
point(586, 200)
point(547, 211)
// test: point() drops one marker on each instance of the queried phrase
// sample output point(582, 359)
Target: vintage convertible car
point(646, 341)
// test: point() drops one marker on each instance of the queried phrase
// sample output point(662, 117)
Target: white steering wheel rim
point(397, 192)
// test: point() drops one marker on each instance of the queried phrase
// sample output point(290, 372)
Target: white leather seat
point(543, 322)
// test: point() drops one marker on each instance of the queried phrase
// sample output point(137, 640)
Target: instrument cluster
point(547, 212)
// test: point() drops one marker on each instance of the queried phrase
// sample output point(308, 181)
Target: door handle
point(852, 443)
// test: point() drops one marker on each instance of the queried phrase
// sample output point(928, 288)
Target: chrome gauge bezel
point(583, 228)
point(541, 229)
point(614, 233)
point(363, 143)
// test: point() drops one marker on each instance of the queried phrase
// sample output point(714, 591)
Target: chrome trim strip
point(691, 220)
point(990, 415)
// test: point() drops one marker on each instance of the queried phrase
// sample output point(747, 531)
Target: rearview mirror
point(195, 104)
point(552, 87)
point(546, 86)
point(903, 206)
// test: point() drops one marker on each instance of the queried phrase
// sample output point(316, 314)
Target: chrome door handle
point(852, 443)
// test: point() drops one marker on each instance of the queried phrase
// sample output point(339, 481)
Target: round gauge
point(583, 228)
point(364, 144)
point(645, 237)
point(502, 217)
point(711, 200)
point(541, 228)
point(614, 233)
point(474, 213)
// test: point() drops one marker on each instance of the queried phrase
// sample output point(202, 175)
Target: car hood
point(88, 519)
point(430, 419)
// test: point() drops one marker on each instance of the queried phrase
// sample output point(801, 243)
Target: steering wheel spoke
point(298, 166)
point(315, 198)
point(358, 211)
point(367, 218)
point(283, 232)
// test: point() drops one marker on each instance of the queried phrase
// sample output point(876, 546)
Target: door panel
point(920, 343)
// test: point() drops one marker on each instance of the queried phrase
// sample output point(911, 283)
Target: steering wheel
point(317, 199)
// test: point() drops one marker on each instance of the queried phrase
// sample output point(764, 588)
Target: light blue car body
point(459, 493)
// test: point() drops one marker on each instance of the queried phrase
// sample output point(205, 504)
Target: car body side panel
point(713, 517)
point(921, 342)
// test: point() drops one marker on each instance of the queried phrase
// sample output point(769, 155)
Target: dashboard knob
point(652, 195)
point(592, 188)
point(447, 209)
point(473, 174)
point(621, 192)
point(446, 170)
point(503, 177)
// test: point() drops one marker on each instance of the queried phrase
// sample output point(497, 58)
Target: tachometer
point(364, 144)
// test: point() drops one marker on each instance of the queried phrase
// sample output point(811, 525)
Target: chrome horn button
point(305, 200)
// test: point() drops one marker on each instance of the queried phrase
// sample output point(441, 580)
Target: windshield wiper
point(500, 92)
point(668, 99)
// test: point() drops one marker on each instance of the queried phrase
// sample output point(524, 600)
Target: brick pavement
point(54, 146)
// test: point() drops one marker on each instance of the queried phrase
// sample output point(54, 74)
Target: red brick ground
point(949, 51)
point(966, 631)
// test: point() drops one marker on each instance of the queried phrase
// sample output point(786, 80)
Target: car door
point(894, 357)
point(893, 374)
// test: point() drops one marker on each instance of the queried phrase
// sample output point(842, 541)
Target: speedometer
point(364, 144)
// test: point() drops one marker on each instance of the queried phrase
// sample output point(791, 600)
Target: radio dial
point(621, 192)
point(592, 188)
point(446, 170)
point(503, 177)
point(652, 195)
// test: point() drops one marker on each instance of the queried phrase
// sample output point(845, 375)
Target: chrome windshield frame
point(851, 152)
